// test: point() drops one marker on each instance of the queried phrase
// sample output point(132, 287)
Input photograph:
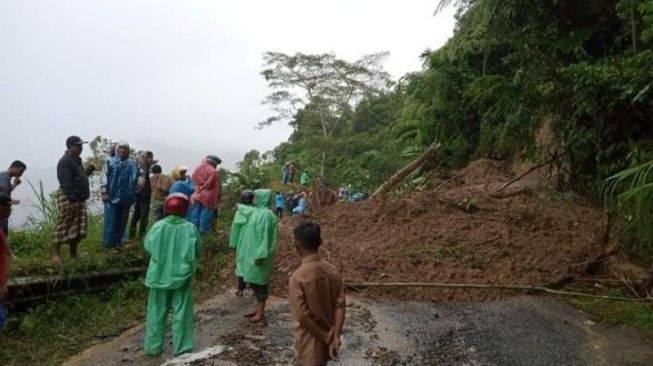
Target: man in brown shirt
point(160, 188)
point(317, 300)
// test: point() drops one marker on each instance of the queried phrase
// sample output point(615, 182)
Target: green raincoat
point(254, 236)
point(239, 234)
point(303, 180)
point(173, 245)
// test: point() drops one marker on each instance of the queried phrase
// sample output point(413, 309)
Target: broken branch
point(527, 288)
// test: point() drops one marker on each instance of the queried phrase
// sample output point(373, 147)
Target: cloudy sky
point(178, 77)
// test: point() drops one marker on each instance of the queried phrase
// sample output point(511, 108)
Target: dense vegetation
point(582, 69)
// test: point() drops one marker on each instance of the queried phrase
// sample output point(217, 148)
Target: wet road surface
point(518, 331)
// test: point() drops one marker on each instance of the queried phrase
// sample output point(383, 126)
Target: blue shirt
point(122, 179)
point(183, 186)
point(280, 200)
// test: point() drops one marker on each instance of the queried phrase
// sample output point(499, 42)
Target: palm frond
point(630, 193)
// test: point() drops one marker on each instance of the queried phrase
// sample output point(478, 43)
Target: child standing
point(174, 247)
point(317, 300)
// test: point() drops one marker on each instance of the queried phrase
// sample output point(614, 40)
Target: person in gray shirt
point(9, 180)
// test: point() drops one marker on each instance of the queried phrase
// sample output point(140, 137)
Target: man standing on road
point(207, 190)
point(141, 213)
point(15, 171)
point(257, 236)
point(316, 295)
point(118, 194)
point(173, 245)
point(71, 198)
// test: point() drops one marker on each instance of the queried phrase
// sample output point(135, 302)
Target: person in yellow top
point(173, 245)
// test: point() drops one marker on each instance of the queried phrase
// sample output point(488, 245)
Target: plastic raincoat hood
point(254, 236)
point(174, 246)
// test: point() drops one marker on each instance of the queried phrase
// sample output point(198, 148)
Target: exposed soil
point(461, 232)
point(472, 229)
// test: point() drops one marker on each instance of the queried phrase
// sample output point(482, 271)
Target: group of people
point(143, 185)
point(292, 203)
point(289, 171)
point(132, 185)
point(183, 208)
point(316, 291)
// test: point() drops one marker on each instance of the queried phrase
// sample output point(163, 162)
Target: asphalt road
point(519, 331)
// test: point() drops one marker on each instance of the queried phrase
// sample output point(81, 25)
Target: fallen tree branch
point(527, 288)
point(444, 183)
point(529, 171)
point(405, 171)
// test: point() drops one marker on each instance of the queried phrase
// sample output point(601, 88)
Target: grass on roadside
point(32, 246)
point(50, 333)
point(635, 314)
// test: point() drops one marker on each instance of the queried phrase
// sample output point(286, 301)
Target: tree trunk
point(322, 163)
point(399, 176)
point(633, 25)
point(325, 133)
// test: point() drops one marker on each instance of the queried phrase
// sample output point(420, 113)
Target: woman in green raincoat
point(254, 236)
point(173, 245)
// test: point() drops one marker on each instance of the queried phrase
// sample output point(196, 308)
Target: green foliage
point(320, 91)
point(586, 66)
point(32, 244)
point(631, 192)
point(638, 315)
point(73, 323)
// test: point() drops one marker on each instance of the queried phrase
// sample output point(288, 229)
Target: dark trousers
point(279, 212)
point(141, 215)
point(4, 226)
point(260, 291)
point(115, 222)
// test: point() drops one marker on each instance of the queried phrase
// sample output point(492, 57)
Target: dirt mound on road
point(459, 233)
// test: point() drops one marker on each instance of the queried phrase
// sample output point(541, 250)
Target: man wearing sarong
point(254, 235)
point(118, 195)
point(71, 197)
point(173, 245)
point(207, 190)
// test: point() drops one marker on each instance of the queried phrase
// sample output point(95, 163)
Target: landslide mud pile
point(461, 232)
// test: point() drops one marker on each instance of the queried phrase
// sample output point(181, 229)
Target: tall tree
point(331, 86)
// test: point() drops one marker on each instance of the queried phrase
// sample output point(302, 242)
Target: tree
point(330, 86)
point(250, 174)
point(631, 192)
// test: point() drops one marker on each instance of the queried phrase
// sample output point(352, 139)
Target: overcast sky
point(181, 78)
point(178, 73)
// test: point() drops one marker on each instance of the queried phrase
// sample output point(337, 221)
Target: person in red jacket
point(5, 211)
point(204, 201)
